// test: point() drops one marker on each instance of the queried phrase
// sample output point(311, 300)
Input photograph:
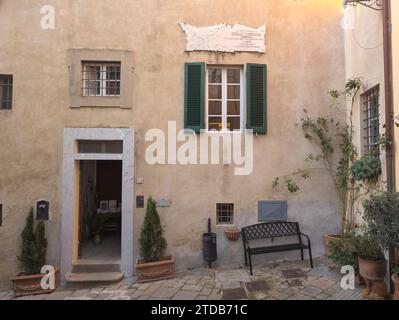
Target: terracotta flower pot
point(157, 270)
point(232, 234)
point(395, 280)
point(373, 273)
point(327, 239)
point(25, 285)
point(359, 280)
point(372, 270)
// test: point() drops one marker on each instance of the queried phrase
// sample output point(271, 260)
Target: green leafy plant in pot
point(32, 258)
point(343, 251)
point(371, 265)
point(381, 212)
point(95, 222)
point(153, 265)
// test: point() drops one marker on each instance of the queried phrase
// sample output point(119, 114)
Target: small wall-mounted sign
point(139, 201)
point(140, 180)
point(163, 203)
point(42, 210)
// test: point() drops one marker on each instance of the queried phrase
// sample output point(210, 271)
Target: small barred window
point(101, 79)
point(225, 213)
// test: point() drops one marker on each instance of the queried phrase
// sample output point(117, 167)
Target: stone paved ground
point(320, 283)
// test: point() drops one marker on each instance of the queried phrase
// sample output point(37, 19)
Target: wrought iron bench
point(271, 230)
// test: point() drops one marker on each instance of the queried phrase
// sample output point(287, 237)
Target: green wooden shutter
point(256, 98)
point(194, 96)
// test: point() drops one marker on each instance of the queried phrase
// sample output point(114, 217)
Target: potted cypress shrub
point(32, 259)
point(153, 266)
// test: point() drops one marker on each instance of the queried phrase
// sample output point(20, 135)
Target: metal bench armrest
point(306, 236)
point(246, 244)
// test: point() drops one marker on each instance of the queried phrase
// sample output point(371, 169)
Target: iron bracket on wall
point(372, 4)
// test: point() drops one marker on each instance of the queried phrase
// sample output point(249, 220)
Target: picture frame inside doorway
point(112, 206)
point(104, 206)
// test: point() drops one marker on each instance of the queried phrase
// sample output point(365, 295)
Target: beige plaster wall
point(305, 58)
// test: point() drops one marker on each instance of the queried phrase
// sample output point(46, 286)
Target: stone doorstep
point(92, 279)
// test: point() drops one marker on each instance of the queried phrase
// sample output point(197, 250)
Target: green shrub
point(367, 169)
point(34, 246)
point(366, 247)
point(40, 246)
point(152, 242)
point(343, 251)
point(381, 212)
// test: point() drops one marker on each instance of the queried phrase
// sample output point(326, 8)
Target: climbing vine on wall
point(333, 136)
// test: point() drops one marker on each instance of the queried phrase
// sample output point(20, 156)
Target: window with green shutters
point(195, 93)
point(256, 98)
point(194, 96)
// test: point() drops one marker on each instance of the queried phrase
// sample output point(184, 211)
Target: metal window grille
point(6, 82)
point(101, 79)
point(371, 121)
point(225, 213)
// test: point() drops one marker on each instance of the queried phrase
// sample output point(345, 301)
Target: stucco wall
point(365, 59)
point(305, 58)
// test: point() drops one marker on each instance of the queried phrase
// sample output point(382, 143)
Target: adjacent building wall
point(305, 58)
point(395, 80)
point(365, 59)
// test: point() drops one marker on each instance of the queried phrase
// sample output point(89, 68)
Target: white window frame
point(103, 80)
point(224, 97)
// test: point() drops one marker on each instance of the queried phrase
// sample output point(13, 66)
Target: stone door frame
point(70, 191)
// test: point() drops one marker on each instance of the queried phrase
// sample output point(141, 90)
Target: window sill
point(223, 131)
point(99, 102)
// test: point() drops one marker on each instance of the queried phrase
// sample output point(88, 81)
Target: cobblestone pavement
point(297, 282)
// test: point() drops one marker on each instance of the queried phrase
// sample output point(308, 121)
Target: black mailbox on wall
point(140, 202)
point(42, 210)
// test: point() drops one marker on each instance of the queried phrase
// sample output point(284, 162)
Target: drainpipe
point(389, 116)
